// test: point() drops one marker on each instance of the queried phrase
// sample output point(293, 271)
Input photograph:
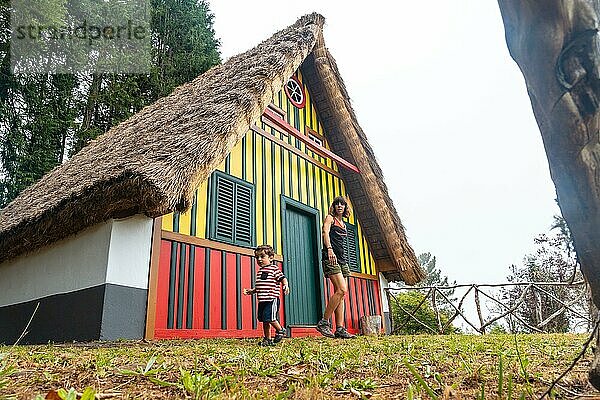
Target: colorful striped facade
point(198, 281)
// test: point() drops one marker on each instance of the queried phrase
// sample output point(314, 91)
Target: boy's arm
point(286, 287)
point(249, 291)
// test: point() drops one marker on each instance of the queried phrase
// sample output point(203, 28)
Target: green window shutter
point(351, 247)
point(243, 218)
point(225, 209)
point(232, 216)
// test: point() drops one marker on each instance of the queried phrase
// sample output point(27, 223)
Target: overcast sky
point(446, 111)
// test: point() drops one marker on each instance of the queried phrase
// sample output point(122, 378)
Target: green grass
point(406, 367)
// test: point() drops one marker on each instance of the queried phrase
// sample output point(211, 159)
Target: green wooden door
point(303, 305)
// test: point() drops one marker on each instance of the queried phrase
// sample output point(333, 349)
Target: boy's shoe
point(342, 333)
point(279, 335)
point(324, 328)
point(266, 343)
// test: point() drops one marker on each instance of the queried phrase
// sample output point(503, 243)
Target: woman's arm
point(325, 231)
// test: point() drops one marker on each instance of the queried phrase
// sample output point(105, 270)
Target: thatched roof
point(153, 162)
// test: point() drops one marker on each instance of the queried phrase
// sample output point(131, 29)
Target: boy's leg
point(280, 332)
point(266, 341)
point(267, 330)
point(274, 320)
point(275, 324)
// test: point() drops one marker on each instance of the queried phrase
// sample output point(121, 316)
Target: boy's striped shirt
point(267, 282)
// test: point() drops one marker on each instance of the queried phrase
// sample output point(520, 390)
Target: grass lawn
point(390, 367)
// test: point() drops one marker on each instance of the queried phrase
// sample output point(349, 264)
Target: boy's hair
point(265, 248)
point(342, 200)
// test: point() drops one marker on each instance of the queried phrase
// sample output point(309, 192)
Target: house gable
point(277, 164)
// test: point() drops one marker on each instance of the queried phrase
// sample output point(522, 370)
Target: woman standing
point(335, 267)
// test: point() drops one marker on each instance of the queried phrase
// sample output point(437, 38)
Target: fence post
point(437, 312)
point(478, 305)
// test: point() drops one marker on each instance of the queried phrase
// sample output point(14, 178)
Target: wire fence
point(505, 304)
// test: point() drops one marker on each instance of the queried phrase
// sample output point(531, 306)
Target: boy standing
point(266, 287)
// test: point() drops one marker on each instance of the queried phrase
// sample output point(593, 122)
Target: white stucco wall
point(116, 251)
point(129, 255)
point(383, 284)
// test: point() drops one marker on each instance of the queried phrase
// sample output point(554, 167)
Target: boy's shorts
point(268, 311)
point(332, 269)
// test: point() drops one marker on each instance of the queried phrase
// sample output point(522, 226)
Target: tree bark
point(556, 45)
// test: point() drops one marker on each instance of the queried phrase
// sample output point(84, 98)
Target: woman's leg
point(336, 301)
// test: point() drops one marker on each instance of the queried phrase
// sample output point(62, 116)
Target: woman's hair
point(264, 248)
point(340, 200)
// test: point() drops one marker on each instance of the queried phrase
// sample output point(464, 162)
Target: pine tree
point(554, 260)
point(47, 118)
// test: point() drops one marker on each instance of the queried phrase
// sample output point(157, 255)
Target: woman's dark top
point(337, 236)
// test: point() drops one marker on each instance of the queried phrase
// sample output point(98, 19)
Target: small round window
point(295, 92)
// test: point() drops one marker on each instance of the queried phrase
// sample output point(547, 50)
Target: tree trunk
point(556, 45)
point(92, 99)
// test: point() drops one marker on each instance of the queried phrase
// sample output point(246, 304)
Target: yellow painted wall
point(276, 171)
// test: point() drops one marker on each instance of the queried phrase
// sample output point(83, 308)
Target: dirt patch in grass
point(453, 366)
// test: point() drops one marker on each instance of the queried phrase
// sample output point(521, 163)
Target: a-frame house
point(149, 230)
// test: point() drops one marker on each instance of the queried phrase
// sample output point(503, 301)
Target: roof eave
point(335, 104)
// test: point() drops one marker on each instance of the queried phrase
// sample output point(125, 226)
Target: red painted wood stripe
point(279, 122)
point(361, 299)
point(254, 302)
point(330, 291)
point(372, 295)
point(176, 280)
point(325, 294)
point(368, 298)
point(359, 304)
point(231, 291)
point(304, 332)
point(347, 309)
point(377, 296)
point(362, 290)
point(198, 319)
point(215, 290)
point(246, 300)
point(353, 305)
point(189, 312)
point(326, 290)
point(186, 271)
point(162, 290)
point(238, 291)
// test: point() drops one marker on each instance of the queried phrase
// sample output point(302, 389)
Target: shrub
point(403, 324)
